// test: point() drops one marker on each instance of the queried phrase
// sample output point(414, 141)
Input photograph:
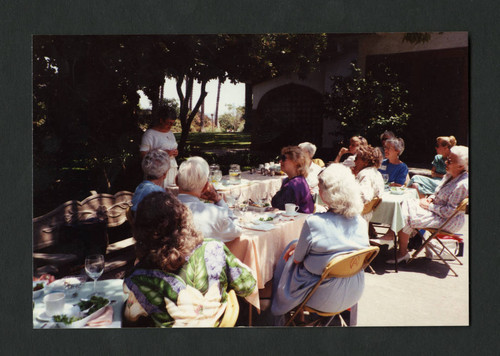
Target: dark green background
point(21, 19)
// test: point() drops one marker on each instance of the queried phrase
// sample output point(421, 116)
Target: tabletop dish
point(290, 215)
point(75, 311)
point(398, 190)
point(38, 288)
point(69, 285)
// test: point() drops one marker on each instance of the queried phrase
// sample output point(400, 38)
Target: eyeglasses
point(448, 160)
point(283, 158)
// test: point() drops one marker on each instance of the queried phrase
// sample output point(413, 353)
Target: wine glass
point(94, 266)
point(235, 194)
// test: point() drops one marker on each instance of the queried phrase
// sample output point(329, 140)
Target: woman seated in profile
point(294, 188)
point(180, 279)
point(427, 185)
point(323, 236)
point(393, 170)
point(433, 211)
point(155, 166)
point(367, 175)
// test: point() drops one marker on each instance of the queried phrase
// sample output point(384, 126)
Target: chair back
point(350, 263)
point(371, 205)
point(319, 162)
point(232, 310)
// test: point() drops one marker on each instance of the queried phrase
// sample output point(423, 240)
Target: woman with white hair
point(309, 150)
point(324, 236)
point(393, 170)
point(155, 165)
point(213, 220)
point(433, 211)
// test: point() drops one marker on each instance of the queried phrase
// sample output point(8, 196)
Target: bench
point(98, 224)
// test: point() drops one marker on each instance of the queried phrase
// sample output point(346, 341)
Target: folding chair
point(434, 232)
point(341, 266)
point(232, 310)
point(368, 208)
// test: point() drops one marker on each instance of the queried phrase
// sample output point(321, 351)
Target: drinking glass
point(94, 266)
point(235, 194)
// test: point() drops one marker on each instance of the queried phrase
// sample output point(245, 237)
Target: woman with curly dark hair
point(366, 164)
point(180, 278)
point(294, 188)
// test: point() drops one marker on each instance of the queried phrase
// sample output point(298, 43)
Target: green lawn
point(211, 140)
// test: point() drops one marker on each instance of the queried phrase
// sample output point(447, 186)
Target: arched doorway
point(288, 115)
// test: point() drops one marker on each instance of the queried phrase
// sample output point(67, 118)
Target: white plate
point(290, 215)
point(42, 316)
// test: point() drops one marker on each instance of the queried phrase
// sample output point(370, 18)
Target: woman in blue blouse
point(392, 169)
point(324, 235)
point(294, 188)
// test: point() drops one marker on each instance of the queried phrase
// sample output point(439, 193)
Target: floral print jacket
point(195, 295)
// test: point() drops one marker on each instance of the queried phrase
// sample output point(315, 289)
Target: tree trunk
point(216, 123)
point(202, 113)
point(185, 117)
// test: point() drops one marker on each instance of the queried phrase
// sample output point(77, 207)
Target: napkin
point(104, 319)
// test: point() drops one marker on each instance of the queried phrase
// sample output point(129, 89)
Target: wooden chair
point(441, 230)
point(232, 310)
point(341, 266)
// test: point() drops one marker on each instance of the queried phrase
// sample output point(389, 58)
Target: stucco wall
point(389, 43)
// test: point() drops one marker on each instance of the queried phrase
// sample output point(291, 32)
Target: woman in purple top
point(294, 188)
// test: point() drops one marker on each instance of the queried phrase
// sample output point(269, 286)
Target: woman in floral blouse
point(180, 278)
point(433, 211)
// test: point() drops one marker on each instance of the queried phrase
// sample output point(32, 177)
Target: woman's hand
point(425, 202)
point(209, 193)
point(172, 153)
point(289, 252)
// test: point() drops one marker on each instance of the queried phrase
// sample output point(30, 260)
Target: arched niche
point(288, 115)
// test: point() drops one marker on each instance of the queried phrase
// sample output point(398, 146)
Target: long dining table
point(260, 250)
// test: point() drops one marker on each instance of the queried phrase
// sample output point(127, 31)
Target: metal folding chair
point(368, 208)
point(434, 232)
point(232, 310)
point(341, 266)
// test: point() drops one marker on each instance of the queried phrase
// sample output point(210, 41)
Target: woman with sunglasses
point(294, 188)
point(159, 136)
point(427, 185)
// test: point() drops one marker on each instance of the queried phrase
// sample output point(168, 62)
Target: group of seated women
point(181, 277)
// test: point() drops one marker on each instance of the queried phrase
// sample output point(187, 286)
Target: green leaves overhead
point(365, 105)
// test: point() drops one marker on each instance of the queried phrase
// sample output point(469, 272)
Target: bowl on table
point(398, 190)
point(69, 285)
point(38, 288)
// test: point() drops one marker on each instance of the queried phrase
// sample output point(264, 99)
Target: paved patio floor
point(422, 293)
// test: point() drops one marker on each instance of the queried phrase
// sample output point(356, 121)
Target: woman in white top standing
point(160, 137)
